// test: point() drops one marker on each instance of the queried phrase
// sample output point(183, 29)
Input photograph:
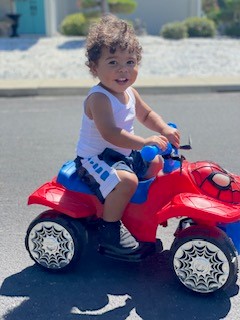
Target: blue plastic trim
point(233, 232)
point(68, 177)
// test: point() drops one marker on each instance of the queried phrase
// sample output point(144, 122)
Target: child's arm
point(99, 109)
point(154, 121)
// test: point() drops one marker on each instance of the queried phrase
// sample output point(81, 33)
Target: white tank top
point(90, 142)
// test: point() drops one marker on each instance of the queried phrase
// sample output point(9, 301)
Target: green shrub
point(74, 25)
point(115, 6)
point(90, 21)
point(200, 27)
point(86, 4)
point(174, 30)
point(96, 13)
point(122, 6)
point(233, 30)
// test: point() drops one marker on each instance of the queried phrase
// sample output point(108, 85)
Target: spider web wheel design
point(201, 266)
point(51, 245)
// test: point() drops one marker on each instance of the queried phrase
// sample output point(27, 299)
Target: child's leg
point(114, 237)
point(118, 199)
point(155, 166)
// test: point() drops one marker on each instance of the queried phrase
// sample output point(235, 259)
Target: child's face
point(116, 71)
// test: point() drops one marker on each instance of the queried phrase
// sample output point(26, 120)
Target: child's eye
point(113, 62)
point(131, 62)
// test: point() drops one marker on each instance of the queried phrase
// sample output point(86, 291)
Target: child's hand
point(159, 141)
point(172, 135)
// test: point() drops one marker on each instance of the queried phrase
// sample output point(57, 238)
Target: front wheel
point(204, 259)
point(55, 242)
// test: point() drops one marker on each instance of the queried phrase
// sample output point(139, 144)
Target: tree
point(226, 14)
point(225, 11)
point(78, 24)
point(209, 6)
point(105, 6)
point(212, 9)
point(230, 13)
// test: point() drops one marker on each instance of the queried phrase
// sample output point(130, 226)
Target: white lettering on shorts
point(105, 175)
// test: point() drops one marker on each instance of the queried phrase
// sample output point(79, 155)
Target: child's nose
point(122, 68)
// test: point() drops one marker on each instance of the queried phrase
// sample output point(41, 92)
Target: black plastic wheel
point(55, 241)
point(204, 259)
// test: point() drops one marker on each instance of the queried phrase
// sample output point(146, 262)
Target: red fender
point(74, 204)
point(200, 208)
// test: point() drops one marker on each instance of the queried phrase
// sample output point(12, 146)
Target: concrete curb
point(153, 85)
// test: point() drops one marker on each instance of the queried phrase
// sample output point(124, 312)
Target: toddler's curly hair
point(113, 33)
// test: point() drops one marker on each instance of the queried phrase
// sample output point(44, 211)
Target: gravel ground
point(63, 58)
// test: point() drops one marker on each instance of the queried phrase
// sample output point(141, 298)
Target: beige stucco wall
point(55, 11)
point(67, 7)
point(155, 13)
point(5, 7)
point(55, 14)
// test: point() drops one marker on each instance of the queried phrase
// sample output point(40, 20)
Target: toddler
point(107, 151)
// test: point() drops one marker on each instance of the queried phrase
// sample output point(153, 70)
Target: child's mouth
point(122, 80)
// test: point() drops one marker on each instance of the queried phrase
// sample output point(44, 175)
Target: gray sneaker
point(115, 238)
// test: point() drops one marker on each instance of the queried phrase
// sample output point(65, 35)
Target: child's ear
point(93, 68)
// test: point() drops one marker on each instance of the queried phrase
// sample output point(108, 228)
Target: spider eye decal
point(216, 182)
point(220, 180)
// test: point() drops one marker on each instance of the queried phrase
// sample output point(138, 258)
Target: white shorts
point(100, 172)
point(105, 176)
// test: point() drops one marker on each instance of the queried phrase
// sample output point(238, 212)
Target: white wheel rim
point(201, 266)
point(51, 245)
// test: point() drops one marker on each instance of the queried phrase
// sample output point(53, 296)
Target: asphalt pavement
point(33, 147)
point(38, 134)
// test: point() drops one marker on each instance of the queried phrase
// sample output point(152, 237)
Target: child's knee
point(155, 166)
point(128, 183)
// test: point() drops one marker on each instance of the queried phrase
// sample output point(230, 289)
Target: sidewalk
point(152, 85)
point(56, 66)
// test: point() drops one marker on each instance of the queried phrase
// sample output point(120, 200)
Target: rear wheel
point(55, 241)
point(204, 259)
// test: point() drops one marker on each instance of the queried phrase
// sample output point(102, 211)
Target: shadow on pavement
point(72, 44)
point(11, 44)
point(105, 289)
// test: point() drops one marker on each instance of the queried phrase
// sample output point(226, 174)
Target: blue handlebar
point(149, 153)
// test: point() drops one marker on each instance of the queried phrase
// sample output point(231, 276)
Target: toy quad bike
point(205, 198)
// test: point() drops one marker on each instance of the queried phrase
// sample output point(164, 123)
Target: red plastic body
point(202, 191)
